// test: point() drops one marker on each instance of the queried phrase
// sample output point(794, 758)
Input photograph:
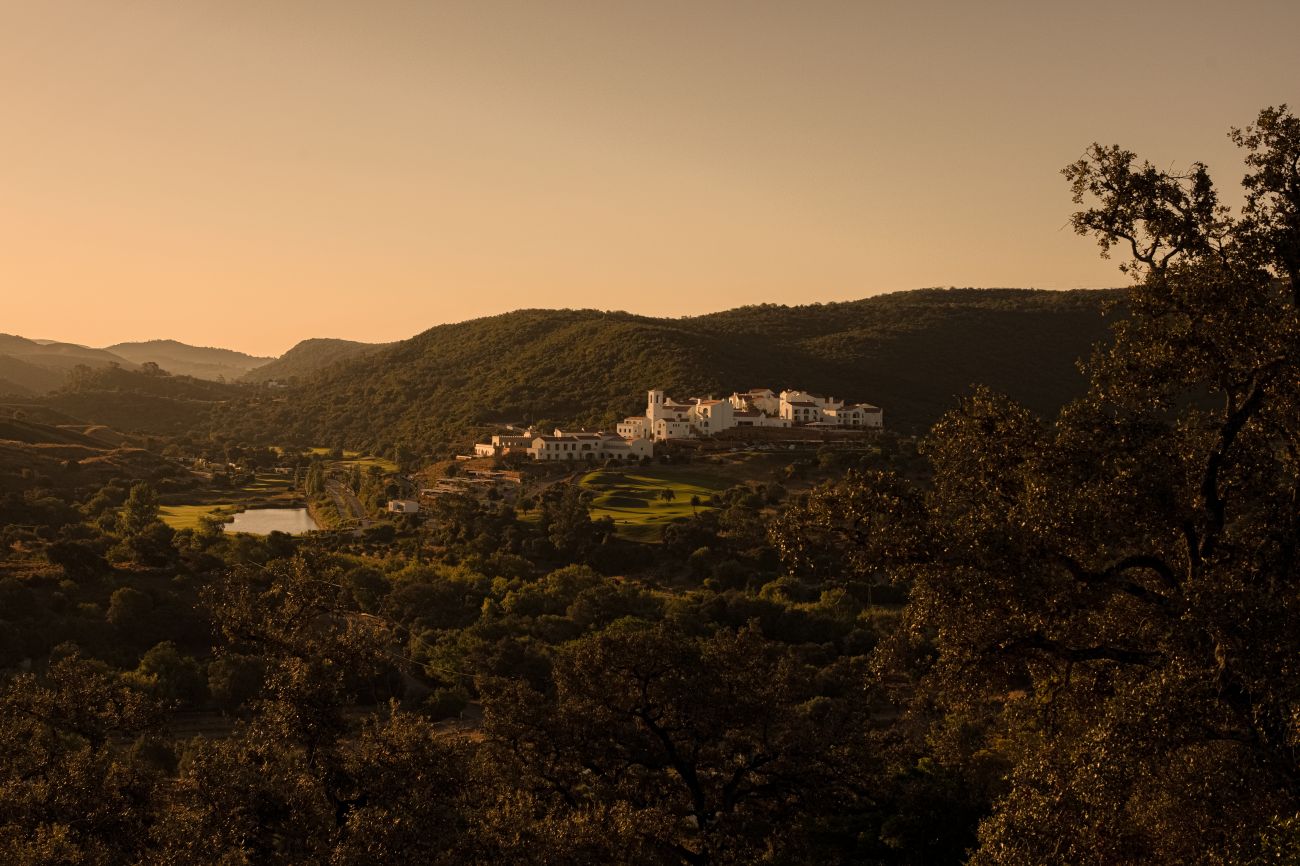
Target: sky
point(247, 174)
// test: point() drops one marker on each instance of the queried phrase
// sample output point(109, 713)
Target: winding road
point(347, 503)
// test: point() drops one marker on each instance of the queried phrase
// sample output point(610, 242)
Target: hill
point(35, 433)
point(308, 358)
point(37, 455)
point(36, 367)
point(23, 378)
point(138, 401)
point(201, 362)
point(910, 352)
point(64, 356)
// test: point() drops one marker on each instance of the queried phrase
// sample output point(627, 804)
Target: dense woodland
point(307, 359)
point(910, 352)
point(1020, 638)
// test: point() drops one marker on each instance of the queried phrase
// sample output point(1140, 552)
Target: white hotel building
point(665, 418)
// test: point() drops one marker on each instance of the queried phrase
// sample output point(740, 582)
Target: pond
point(264, 521)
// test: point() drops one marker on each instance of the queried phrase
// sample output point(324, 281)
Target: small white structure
point(403, 506)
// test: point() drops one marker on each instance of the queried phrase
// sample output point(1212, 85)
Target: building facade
point(582, 446)
point(666, 418)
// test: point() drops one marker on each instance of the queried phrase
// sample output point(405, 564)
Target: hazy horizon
point(249, 175)
point(45, 338)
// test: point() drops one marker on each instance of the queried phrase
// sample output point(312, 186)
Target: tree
point(286, 787)
point(139, 512)
point(78, 559)
point(566, 522)
point(1133, 568)
point(70, 796)
point(834, 534)
point(235, 680)
point(315, 484)
point(661, 748)
point(145, 538)
point(173, 676)
point(129, 609)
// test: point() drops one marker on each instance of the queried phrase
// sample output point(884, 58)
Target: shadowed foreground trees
point(66, 794)
point(1124, 582)
point(661, 748)
point(299, 783)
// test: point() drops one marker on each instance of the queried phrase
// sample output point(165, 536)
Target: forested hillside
point(139, 401)
point(309, 357)
point(910, 352)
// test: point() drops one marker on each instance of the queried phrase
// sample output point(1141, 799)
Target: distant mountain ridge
point(30, 367)
point(201, 362)
point(912, 353)
point(35, 367)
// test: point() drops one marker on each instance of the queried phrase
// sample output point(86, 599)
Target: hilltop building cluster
point(666, 419)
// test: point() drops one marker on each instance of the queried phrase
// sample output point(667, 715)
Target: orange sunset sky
point(249, 173)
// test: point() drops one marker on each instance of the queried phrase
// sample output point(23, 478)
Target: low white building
point(626, 444)
point(403, 506)
point(504, 444)
point(856, 415)
point(581, 445)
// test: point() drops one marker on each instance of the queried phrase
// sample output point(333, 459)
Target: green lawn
point(632, 498)
point(356, 458)
point(188, 516)
point(268, 484)
point(264, 487)
point(366, 462)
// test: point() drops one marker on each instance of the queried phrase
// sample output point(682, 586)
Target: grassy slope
point(190, 516)
point(632, 498)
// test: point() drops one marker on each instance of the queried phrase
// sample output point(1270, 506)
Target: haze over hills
point(37, 367)
point(55, 355)
point(23, 378)
point(202, 362)
point(911, 353)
